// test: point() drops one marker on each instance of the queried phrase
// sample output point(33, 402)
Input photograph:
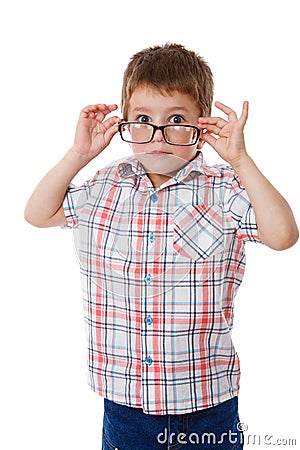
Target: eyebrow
point(172, 109)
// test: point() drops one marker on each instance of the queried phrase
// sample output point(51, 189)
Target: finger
point(112, 128)
point(206, 137)
point(101, 108)
point(104, 110)
point(213, 128)
point(244, 115)
point(93, 108)
point(113, 107)
point(90, 111)
point(218, 121)
point(111, 122)
point(225, 109)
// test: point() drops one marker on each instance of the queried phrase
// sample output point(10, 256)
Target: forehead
point(148, 98)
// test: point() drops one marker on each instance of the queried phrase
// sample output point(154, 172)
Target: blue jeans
point(216, 428)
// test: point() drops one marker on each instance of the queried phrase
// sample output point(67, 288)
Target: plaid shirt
point(160, 269)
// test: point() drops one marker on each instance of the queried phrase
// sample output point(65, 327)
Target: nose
point(158, 136)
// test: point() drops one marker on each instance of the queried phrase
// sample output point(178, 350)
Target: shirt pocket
point(133, 237)
point(198, 231)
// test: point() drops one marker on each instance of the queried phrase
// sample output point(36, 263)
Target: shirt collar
point(198, 165)
point(129, 166)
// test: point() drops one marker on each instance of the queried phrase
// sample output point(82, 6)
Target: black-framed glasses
point(142, 133)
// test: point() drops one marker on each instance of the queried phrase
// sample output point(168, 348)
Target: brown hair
point(168, 68)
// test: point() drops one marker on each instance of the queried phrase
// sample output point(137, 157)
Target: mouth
point(159, 152)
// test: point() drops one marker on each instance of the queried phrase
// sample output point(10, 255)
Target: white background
point(59, 56)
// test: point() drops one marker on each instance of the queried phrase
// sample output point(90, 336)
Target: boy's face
point(160, 159)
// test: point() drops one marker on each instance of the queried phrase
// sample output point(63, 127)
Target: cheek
point(137, 148)
point(186, 153)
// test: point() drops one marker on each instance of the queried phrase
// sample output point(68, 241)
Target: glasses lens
point(136, 132)
point(181, 134)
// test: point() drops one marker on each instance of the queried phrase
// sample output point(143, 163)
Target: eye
point(176, 119)
point(143, 119)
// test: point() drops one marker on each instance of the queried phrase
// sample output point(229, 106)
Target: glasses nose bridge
point(158, 128)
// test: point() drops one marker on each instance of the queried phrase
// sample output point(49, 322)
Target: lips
point(159, 152)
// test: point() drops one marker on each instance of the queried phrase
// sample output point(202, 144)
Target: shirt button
point(148, 278)
point(154, 198)
point(151, 237)
point(148, 360)
point(148, 320)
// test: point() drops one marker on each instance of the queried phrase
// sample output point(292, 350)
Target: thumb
point(112, 128)
point(207, 137)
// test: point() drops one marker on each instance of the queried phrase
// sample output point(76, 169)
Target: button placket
point(149, 256)
point(147, 342)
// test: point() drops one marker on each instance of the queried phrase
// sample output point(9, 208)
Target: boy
point(160, 238)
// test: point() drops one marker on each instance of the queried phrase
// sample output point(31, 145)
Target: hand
point(228, 139)
point(93, 133)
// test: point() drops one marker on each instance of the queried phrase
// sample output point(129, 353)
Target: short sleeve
point(242, 212)
point(75, 199)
